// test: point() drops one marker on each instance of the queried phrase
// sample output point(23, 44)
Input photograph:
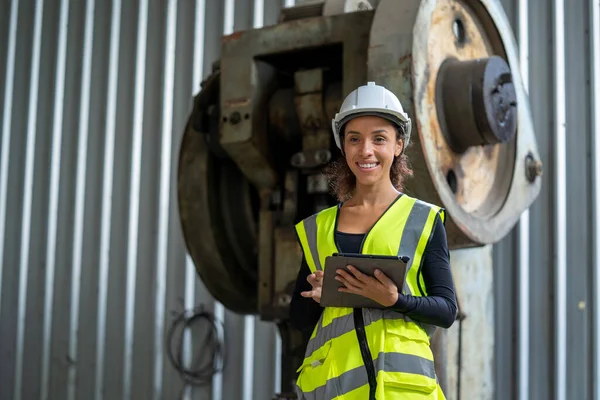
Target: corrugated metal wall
point(95, 96)
point(557, 296)
point(93, 101)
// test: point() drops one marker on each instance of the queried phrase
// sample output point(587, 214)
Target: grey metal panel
point(541, 233)
point(92, 340)
point(110, 363)
point(579, 225)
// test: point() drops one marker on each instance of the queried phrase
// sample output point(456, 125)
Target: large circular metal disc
point(216, 211)
point(410, 40)
point(478, 179)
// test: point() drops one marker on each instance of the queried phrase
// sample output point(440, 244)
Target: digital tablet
point(394, 267)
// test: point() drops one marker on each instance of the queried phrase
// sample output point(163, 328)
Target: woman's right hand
point(316, 281)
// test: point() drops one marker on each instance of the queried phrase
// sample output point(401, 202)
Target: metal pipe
point(277, 387)
point(165, 196)
point(6, 127)
point(259, 14)
point(560, 220)
point(524, 242)
point(248, 366)
point(134, 195)
point(28, 194)
point(595, 98)
point(79, 219)
point(57, 130)
point(229, 14)
point(107, 190)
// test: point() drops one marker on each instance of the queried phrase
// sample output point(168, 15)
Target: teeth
point(372, 165)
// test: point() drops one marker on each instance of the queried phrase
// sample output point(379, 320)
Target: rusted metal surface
point(244, 120)
point(249, 64)
point(283, 121)
point(310, 110)
point(534, 168)
point(215, 208)
point(477, 180)
point(288, 256)
point(483, 187)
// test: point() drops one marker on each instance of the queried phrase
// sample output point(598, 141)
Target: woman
point(373, 353)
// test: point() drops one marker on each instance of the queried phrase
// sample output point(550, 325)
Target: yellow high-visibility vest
point(334, 367)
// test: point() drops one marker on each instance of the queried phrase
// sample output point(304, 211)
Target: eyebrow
point(377, 131)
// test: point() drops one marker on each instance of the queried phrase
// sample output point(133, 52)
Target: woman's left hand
point(379, 288)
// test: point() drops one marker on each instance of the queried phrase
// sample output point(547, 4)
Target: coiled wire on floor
point(208, 346)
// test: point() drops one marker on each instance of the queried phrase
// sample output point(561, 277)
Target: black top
point(437, 308)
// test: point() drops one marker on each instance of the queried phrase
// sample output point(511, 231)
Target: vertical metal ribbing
point(248, 366)
point(6, 126)
point(57, 130)
point(165, 195)
point(134, 196)
point(258, 16)
point(523, 273)
point(190, 271)
point(560, 195)
point(82, 147)
point(595, 94)
point(28, 194)
point(277, 362)
point(107, 190)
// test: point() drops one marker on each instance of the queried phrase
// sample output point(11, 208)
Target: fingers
point(314, 294)
point(351, 283)
point(356, 278)
point(359, 275)
point(381, 277)
point(316, 279)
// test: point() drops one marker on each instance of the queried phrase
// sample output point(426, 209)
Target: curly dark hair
point(342, 181)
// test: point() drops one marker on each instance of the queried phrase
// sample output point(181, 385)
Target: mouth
point(367, 166)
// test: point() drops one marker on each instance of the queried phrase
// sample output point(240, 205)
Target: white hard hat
point(371, 99)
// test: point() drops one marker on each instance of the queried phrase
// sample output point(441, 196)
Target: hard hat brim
point(398, 120)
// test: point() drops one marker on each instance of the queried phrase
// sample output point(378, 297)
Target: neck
point(374, 195)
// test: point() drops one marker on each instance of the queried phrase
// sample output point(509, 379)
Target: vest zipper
point(359, 326)
point(359, 322)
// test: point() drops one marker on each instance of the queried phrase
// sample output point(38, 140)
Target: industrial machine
point(259, 136)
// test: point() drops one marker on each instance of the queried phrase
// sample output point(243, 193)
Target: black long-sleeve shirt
point(438, 308)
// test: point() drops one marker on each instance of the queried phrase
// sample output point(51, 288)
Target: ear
point(399, 147)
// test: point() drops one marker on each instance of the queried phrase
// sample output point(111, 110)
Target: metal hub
point(478, 102)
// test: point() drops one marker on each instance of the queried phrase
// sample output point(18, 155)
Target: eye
point(353, 139)
point(380, 139)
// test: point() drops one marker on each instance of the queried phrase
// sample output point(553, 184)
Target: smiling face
point(370, 145)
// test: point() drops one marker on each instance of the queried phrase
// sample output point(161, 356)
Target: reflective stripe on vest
point(404, 230)
point(388, 363)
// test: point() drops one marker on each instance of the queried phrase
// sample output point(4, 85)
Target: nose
point(366, 149)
